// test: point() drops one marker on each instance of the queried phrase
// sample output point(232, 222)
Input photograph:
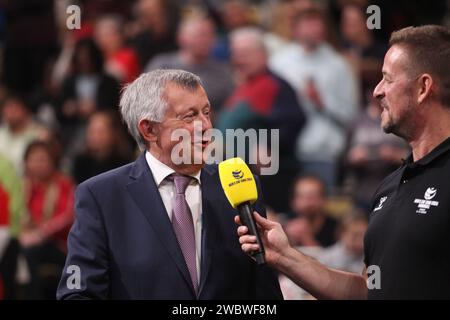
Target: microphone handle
point(246, 216)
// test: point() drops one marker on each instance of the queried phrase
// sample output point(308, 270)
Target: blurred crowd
point(307, 68)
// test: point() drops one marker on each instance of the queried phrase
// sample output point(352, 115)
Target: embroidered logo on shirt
point(424, 204)
point(430, 193)
point(380, 204)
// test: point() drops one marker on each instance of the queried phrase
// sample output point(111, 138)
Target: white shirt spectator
point(324, 136)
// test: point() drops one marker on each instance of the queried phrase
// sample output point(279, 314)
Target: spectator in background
point(279, 19)
point(326, 87)
point(44, 100)
point(236, 14)
point(311, 225)
point(120, 61)
point(372, 154)
point(347, 254)
point(363, 51)
point(106, 147)
point(232, 15)
point(12, 208)
point(156, 26)
point(49, 199)
point(263, 101)
point(17, 130)
point(86, 90)
point(195, 38)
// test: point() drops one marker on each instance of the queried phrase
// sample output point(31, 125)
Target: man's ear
point(148, 130)
point(426, 84)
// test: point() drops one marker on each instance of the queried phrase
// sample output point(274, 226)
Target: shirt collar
point(161, 171)
point(441, 149)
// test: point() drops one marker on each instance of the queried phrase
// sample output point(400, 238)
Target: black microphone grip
point(247, 219)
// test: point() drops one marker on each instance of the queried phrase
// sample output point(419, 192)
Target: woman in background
point(106, 147)
point(49, 199)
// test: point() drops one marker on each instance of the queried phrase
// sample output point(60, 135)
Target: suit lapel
point(145, 193)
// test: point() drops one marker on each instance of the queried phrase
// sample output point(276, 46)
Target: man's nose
point(206, 122)
point(378, 92)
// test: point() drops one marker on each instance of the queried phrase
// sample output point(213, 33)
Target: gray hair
point(253, 35)
point(143, 98)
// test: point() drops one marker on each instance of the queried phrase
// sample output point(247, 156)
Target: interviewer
point(407, 244)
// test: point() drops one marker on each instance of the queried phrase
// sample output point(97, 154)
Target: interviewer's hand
point(272, 235)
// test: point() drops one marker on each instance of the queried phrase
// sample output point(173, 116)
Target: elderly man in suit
point(156, 229)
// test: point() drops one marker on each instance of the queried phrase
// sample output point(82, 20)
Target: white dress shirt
point(167, 191)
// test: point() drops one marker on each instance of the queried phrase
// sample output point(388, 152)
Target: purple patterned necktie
point(183, 225)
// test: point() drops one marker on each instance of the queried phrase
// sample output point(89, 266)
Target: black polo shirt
point(409, 230)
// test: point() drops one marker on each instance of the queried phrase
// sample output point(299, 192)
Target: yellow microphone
point(239, 186)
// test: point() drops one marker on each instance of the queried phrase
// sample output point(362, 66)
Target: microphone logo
point(238, 174)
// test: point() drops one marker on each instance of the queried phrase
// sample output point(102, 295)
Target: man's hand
point(308, 273)
point(313, 94)
point(30, 238)
point(272, 235)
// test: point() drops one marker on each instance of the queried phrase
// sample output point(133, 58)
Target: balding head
point(196, 36)
point(248, 51)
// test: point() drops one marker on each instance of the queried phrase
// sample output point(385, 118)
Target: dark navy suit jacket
point(123, 245)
